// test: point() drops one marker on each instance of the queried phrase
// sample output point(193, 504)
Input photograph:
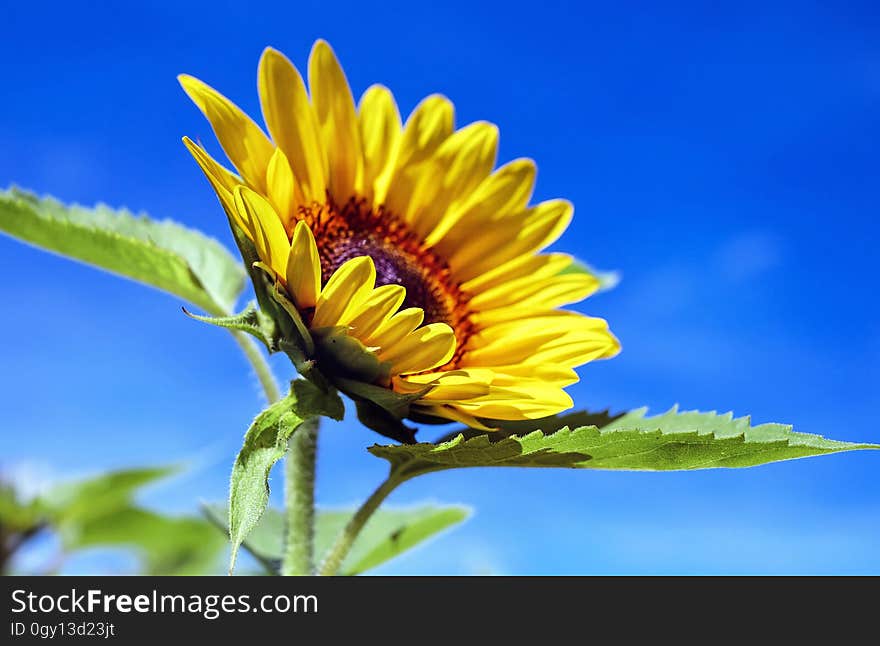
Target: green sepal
point(346, 355)
point(378, 419)
point(264, 444)
point(304, 337)
point(382, 409)
point(251, 321)
point(291, 335)
point(420, 417)
point(394, 403)
point(307, 368)
point(264, 286)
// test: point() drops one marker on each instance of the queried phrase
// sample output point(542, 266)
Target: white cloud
point(748, 255)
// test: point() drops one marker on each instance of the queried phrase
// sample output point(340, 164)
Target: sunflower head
point(401, 266)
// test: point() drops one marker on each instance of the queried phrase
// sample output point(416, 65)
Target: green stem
point(259, 364)
point(299, 484)
point(336, 555)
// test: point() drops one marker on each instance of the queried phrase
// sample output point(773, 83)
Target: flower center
point(399, 255)
point(393, 267)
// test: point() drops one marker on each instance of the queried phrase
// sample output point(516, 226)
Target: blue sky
point(722, 158)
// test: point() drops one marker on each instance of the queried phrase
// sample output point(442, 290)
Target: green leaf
point(265, 542)
point(166, 544)
point(162, 254)
point(264, 444)
point(389, 533)
point(671, 441)
point(98, 511)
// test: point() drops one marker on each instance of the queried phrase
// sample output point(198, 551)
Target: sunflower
point(403, 237)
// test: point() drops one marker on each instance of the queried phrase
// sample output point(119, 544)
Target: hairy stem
point(346, 538)
point(259, 364)
point(299, 500)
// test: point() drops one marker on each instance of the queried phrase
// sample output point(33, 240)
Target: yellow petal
point(556, 375)
point(502, 378)
point(484, 352)
point(555, 324)
point(282, 190)
point(523, 392)
point(515, 236)
point(292, 123)
point(344, 293)
point(540, 401)
point(504, 192)
point(242, 140)
point(269, 235)
point(454, 393)
point(334, 107)
point(425, 348)
point(449, 386)
point(414, 383)
point(565, 338)
point(377, 309)
point(396, 328)
point(427, 127)
point(430, 123)
point(537, 267)
point(303, 268)
point(380, 135)
point(516, 398)
point(461, 162)
point(578, 352)
point(529, 293)
point(222, 181)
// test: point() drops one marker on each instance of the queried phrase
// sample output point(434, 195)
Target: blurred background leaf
point(388, 534)
point(99, 512)
point(17, 514)
point(164, 544)
point(71, 504)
